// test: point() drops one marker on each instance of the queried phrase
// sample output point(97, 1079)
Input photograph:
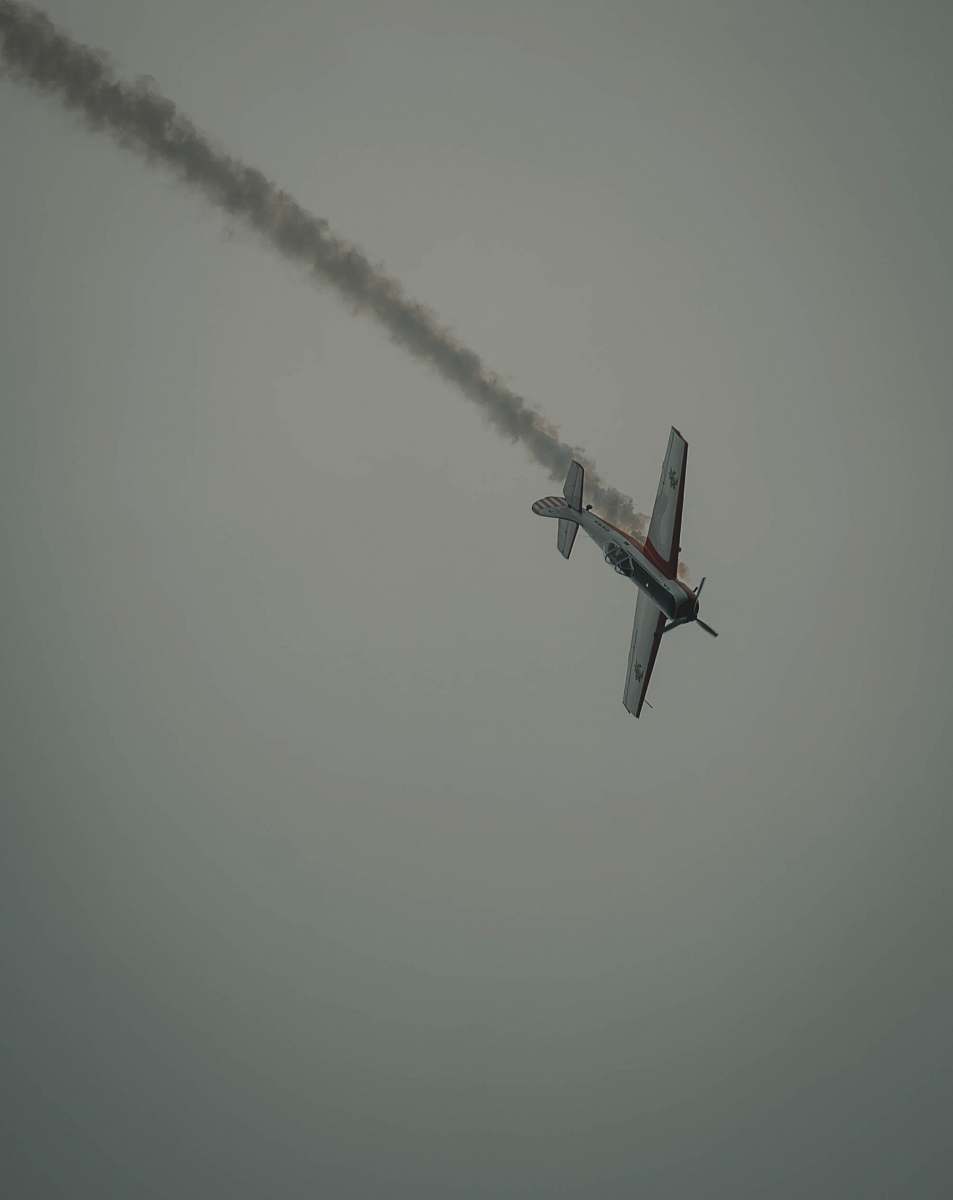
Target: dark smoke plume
point(35, 52)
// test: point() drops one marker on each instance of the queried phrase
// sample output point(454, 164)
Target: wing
point(646, 635)
point(666, 525)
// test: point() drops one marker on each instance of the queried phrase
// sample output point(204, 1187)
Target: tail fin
point(565, 509)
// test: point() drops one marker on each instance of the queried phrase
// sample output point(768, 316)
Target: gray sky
point(331, 860)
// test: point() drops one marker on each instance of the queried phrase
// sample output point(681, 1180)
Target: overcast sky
point(332, 863)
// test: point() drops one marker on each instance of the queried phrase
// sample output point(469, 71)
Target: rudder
point(564, 507)
point(556, 506)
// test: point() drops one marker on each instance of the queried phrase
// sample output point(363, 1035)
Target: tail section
point(572, 488)
point(564, 509)
point(565, 536)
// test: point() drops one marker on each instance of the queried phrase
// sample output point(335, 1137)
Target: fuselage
point(633, 559)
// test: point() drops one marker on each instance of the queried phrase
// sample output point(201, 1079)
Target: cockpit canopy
point(621, 562)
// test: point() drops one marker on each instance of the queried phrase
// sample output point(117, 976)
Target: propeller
point(698, 620)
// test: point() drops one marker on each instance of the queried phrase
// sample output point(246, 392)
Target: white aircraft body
point(664, 602)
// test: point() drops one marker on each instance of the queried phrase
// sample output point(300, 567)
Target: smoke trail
point(35, 52)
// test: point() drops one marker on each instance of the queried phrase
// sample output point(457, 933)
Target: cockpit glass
point(621, 561)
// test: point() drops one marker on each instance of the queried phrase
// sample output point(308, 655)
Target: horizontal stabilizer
point(572, 488)
point(565, 536)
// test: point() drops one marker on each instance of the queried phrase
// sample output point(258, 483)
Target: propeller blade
point(698, 590)
point(707, 628)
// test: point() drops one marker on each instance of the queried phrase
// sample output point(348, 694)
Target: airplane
point(664, 602)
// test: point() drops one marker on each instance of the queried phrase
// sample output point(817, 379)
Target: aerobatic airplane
point(664, 602)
